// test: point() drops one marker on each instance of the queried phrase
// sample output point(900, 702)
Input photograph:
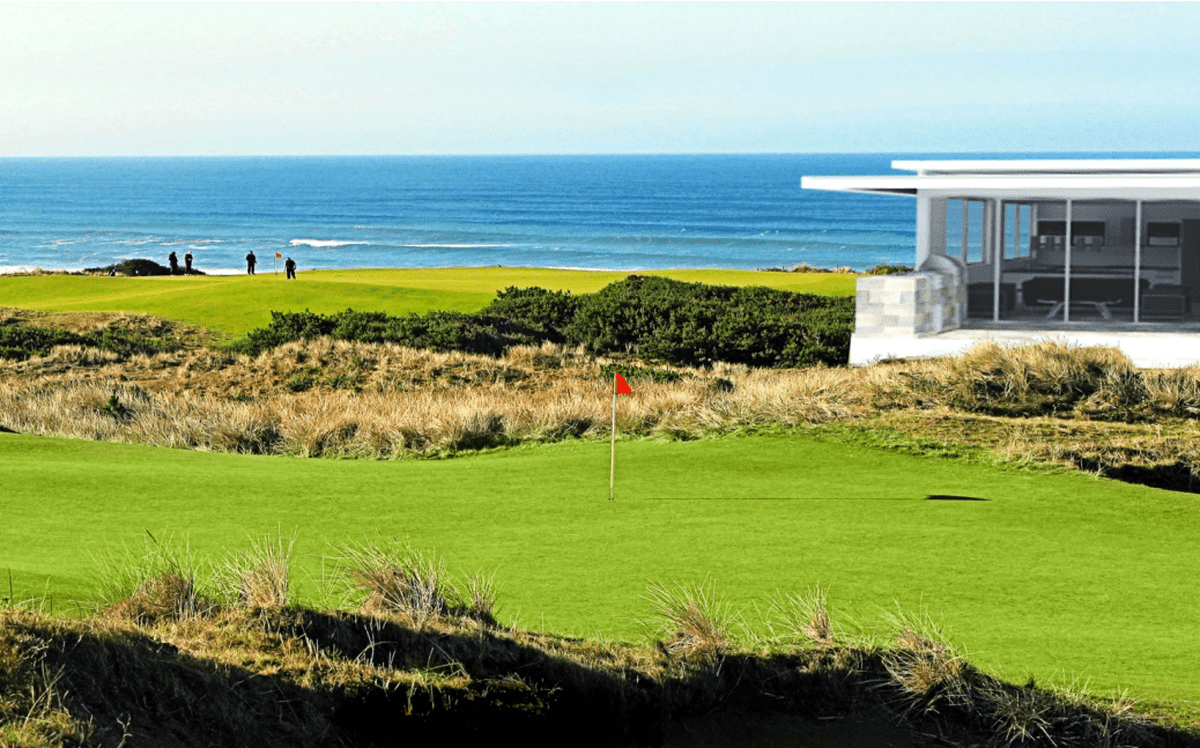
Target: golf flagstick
point(620, 386)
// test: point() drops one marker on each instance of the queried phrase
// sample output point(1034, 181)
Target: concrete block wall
point(906, 304)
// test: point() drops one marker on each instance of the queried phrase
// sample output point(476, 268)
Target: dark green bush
point(140, 267)
point(285, 327)
point(685, 324)
point(693, 324)
point(888, 270)
point(21, 343)
point(630, 371)
point(548, 312)
point(438, 330)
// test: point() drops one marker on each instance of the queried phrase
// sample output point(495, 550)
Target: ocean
point(593, 212)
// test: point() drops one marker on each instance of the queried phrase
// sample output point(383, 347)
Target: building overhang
point(1050, 180)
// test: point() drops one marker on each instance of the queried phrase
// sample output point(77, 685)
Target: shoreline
point(32, 270)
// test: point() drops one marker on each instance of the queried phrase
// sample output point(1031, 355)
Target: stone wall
point(916, 303)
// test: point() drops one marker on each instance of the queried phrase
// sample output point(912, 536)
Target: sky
point(279, 78)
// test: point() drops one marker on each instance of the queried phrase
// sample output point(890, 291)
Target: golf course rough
point(1049, 575)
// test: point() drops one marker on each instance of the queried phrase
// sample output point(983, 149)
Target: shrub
point(692, 324)
point(888, 270)
point(21, 342)
point(139, 267)
point(684, 324)
point(629, 371)
point(548, 312)
point(438, 330)
point(285, 327)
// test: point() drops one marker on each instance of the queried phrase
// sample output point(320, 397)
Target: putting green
point(1049, 575)
point(235, 304)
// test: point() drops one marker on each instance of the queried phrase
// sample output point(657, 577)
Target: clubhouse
point(1090, 252)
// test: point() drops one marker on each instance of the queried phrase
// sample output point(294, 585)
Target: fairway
point(235, 304)
point(1050, 575)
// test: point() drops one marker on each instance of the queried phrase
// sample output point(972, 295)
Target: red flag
point(278, 255)
point(622, 385)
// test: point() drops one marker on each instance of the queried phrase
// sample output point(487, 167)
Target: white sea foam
point(322, 243)
point(452, 246)
point(193, 243)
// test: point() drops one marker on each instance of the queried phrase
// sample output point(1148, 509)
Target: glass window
point(1017, 218)
point(964, 229)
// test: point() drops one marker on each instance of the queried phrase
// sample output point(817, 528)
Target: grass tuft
point(689, 619)
point(928, 672)
point(400, 579)
point(259, 577)
point(801, 617)
point(157, 584)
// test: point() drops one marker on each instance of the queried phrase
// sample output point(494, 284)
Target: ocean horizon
point(618, 212)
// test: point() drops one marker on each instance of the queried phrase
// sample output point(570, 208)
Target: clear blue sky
point(415, 78)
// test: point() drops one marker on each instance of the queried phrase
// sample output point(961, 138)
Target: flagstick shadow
point(931, 497)
point(779, 498)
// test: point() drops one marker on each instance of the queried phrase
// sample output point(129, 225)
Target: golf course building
point(1089, 252)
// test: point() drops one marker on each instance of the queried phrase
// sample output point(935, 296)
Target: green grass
point(239, 303)
point(1054, 575)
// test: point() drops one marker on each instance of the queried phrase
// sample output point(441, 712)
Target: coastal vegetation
point(234, 305)
point(689, 324)
point(411, 656)
point(1023, 433)
point(1048, 405)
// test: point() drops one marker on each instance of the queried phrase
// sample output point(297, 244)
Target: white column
point(1067, 270)
point(924, 225)
point(1137, 261)
point(997, 257)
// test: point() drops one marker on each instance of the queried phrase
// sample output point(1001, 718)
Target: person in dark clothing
point(251, 261)
point(174, 261)
point(187, 261)
point(290, 267)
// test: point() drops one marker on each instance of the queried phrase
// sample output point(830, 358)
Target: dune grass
point(1054, 576)
point(236, 304)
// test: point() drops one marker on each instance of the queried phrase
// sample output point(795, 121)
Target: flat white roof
point(1055, 166)
point(1033, 179)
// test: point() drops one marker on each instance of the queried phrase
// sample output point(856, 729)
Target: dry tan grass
point(1045, 404)
point(402, 400)
point(690, 621)
point(802, 617)
point(259, 577)
point(395, 578)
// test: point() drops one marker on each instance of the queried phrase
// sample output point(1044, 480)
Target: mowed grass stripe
point(237, 304)
point(1051, 574)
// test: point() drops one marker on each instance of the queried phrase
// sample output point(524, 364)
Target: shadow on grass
point(952, 497)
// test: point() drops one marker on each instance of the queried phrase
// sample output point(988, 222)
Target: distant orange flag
point(620, 387)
